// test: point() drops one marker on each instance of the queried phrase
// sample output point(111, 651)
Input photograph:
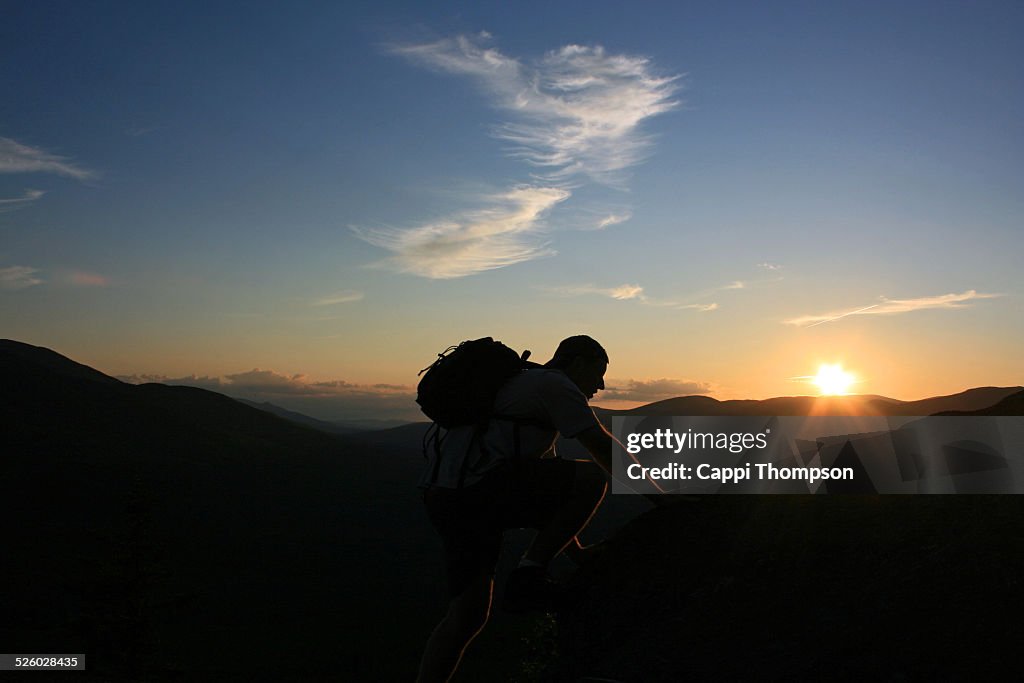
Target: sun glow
point(832, 380)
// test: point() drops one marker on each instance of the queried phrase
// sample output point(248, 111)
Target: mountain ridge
point(972, 399)
point(203, 530)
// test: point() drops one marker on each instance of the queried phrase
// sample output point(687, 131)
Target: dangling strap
point(433, 433)
point(427, 435)
point(478, 433)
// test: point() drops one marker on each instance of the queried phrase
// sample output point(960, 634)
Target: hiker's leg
point(467, 614)
point(585, 495)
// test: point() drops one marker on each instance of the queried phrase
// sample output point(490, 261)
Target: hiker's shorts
point(522, 493)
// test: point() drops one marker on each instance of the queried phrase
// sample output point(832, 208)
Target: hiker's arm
point(598, 442)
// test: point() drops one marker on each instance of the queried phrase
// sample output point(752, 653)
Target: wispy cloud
point(344, 297)
point(18, 277)
point(893, 306)
point(78, 278)
point(652, 389)
point(735, 285)
point(21, 277)
point(622, 292)
point(18, 158)
point(507, 232)
point(627, 292)
point(28, 197)
point(769, 266)
point(613, 219)
point(576, 111)
point(333, 399)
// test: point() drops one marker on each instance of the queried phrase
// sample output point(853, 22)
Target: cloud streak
point(893, 307)
point(345, 297)
point(23, 277)
point(652, 390)
point(27, 198)
point(576, 111)
point(18, 158)
point(18, 277)
point(621, 293)
point(79, 278)
point(613, 219)
point(505, 233)
point(627, 292)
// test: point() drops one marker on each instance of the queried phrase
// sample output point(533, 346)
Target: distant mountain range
point(51, 401)
point(332, 427)
point(48, 390)
point(967, 401)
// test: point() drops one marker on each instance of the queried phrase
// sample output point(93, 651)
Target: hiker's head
point(583, 360)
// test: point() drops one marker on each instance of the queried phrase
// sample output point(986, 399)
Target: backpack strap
point(478, 432)
point(433, 433)
point(481, 429)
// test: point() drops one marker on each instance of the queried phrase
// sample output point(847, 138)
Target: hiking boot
point(531, 589)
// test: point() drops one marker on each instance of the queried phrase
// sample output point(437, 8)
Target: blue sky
point(314, 198)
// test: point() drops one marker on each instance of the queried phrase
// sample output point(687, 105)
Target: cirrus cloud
point(18, 277)
point(18, 158)
point(893, 306)
point(344, 297)
point(628, 292)
point(576, 111)
point(613, 219)
point(79, 278)
point(27, 197)
point(507, 232)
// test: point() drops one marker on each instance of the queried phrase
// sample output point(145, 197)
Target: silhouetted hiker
point(500, 491)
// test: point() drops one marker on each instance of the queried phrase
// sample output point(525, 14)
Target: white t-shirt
point(540, 395)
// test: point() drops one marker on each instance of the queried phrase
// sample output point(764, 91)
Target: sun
point(832, 380)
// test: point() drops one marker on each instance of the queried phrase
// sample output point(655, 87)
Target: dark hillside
point(1011, 405)
point(847, 588)
point(971, 399)
point(172, 533)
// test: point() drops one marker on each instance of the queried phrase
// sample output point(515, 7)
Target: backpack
point(459, 388)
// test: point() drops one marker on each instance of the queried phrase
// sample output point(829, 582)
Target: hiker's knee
point(467, 621)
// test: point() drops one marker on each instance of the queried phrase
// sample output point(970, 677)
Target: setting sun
point(832, 380)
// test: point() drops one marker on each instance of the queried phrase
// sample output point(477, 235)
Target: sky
point(304, 203)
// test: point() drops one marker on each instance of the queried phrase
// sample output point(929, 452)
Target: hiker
point(483, 480)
